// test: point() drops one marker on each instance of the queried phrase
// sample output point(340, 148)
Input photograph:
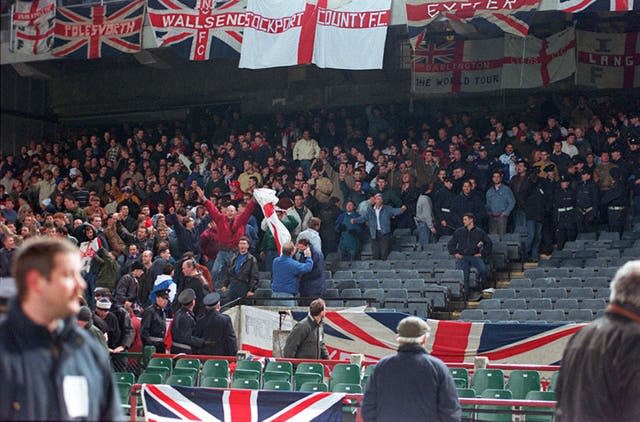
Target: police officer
point(153, 326)
point(586, 203)
point(443, 203)
point(216, 329)
point(564, 199)
point(616, 201)
point(184, 322)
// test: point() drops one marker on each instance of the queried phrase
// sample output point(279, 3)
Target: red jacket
point(229, 231)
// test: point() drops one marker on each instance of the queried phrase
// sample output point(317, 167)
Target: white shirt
point(377, 211)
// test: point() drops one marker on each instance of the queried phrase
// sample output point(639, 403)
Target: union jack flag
point(511, 16)
point(576, 6)
point(166, 403)
point(199, 29)
point(430, 53)
point(92, 32)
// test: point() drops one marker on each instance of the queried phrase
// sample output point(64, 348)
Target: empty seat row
point(543, 303)
point(547, 315)
point(553, 293)
point(569, 282)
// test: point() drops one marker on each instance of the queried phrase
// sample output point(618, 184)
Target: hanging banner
point(32, 26)
point(577, 6)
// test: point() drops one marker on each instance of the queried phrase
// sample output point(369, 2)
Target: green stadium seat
point(214, 382)
point(164, 362)
point(252, 365)
point(277, 376)
point(460, 383)
point(488, 378)
point(344, 373)
point(277, 385)
point(312, 367)
point(124, 391)
point(188, 363)
point(554, 381)
point(467, 410)
point(540, 395)
point(125, 377)
point(216, 368)
point(369, 369)
point(459, 373)
point(491, 393)
point(246, 374)
point(247, 384)
point(346, 388)
point(280, 367)
point(521, 382)
point(306, 377)
point(180, 380)
point(149, 378)
point(191, 372)
point(160, 370)
point(314, 387)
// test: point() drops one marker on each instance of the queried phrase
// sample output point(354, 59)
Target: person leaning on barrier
point(411, 385)
point(184, 322)
point(306, 340)
point(52, 369)
point(599, 378)
point(216, 329)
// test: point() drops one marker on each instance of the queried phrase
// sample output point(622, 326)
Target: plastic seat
point(504, 294)
point(160, 370)
point(216, 368)
point(566, 304)
point(521, 283)
point(580, 315)
point(596, 282)
point(461, 373)
point(350, 293)
point(484, 379)
point(188, 363)
point(495, 417)
point(364, 274)
point(277, 376)
point(331, 293)
point(543, 396)
point(467, 410)
point(551, 315)
point(343, 275)
point(124, 391)
point(556, 293)
point(522, 382)
point(246, 374)
point(252, 365)
point(246, 384)
point(368, 284)
point(581, 293)
point(149, 378)
point(593, 304)
point(280, 366)
point(163, 362)
point(472, 315)
point(347, 388)
point(314, 387)
point(553, 381)
point(305, 378)
point(539, 304)
point(311, 367)
point(345, 284)
point(524, 315)
point(544, 282)
point(180, 380)
point(124, 377)
point(382, 274)
point(277, 385)
point(345, 373)
point(497, 315)
point(214, 382)
point(514, 304)
point(489, 304)
point(531, 292)
point(191, 372)
point(376, 294)
point(570, 282)
point(461, 383)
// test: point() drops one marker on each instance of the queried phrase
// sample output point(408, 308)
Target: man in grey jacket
point(306, 340)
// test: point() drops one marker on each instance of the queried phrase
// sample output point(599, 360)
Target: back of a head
point(625, 287)
point(314, 223)
point(316, 307)
point(287, 248)
point(412, 330)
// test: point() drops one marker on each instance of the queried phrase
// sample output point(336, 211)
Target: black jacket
point(216, 329)
point(195, 283)
point(306, 341)
point(153, 327)
point(34, 365)
point(600, 375)
point(182, 332)
point(248, 273)
point(465, 242)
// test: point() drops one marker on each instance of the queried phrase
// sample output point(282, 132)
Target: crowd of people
point(142, 201)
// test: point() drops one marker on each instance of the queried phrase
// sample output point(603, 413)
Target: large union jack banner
point(32, 26)
point(166, 403)
point(199, 29)
point(577, 6)
point(511, 16)
point(91, 32)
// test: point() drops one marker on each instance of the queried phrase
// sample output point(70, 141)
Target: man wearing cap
point(184, 322)
point(411, 385)
point(111, 325)
point(378, 218)
point(615, 201)
point(242, 275)
point(153, 326)
point(85, 320)
point(564, 212)
point(216, 330)
point(128, 287)
point(586, 203)
point(306, 340)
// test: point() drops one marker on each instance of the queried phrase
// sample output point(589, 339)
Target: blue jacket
point(286, 273)
point(501, 200)
point(313, 282)
point(37, 364)
point(385, 219)
point(410, 386)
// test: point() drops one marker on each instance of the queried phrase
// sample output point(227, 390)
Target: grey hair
point(625, 287)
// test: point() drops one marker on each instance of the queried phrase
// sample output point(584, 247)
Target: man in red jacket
point(230, 227)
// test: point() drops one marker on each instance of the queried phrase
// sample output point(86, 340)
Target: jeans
point(285, 303)
point(306, 167)
point(381, 246)
point(534, 237)
point(498, 225)
point(519, 221)
point(424, 234)
point(466, 263)
point(219, 267)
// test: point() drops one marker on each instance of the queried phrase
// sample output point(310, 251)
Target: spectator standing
point(411, 385)
point(587, 203)
point(127, 290)
point(153, 327)
point(216, 330)
point(286, 274)
point(194, 279)
point(242, 274)
point(85, 321)
point(312, 284)
point(305, 151)
point(599, 378)
point(616, 199)
point(312, 234)
point(378, 218)
point(183, 324)
point(39, 328)
point(564, 200)
point(424, 219)
point(349, 244)
point(468, 245)
point(500, 203)
point(306, 340)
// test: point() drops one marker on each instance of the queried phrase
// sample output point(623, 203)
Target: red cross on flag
point(533, 62)
point(608, 60)
point(32, 26)
point(267, 200)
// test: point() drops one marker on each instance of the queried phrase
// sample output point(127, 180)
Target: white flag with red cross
point(32, 26)
point(608, 60)
point(267, 200)
point(533, 62)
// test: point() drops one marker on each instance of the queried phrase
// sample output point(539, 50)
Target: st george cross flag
point(274, 34)
point(533, 62)
point(91, 32)
point(577, 6)
point(608, 60)
point(172, 404)
point(267, 200)
point(511, 16)
point(351, 34)
point(457, 66)
point(32, 26)
point(199, 29)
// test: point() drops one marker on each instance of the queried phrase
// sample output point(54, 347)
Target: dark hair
point(316, 307)
point(470, 215)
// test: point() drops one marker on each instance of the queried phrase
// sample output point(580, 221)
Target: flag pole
point(11, 31)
